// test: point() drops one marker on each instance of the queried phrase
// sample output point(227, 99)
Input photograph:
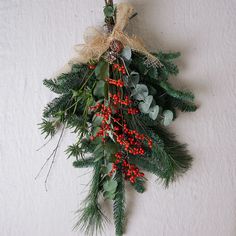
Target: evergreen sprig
point(91, 215)
point(119, 204)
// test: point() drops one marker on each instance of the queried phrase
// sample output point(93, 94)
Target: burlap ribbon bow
point(97, 43)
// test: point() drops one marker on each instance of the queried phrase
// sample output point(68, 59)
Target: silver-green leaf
point(168, 117)
point(153, 112)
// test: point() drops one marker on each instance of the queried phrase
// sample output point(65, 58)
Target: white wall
point(36, 39)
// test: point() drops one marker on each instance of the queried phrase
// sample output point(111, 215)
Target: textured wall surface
point(36, 39)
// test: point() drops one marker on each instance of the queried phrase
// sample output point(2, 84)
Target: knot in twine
point(97, 43)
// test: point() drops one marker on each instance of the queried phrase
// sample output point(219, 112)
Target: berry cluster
point(130, 140)
point(91, 67)
point(118, 83)
point(131, 172)
point(119, 68)
point(118, 101)
point(105, 113)
point(133, 111)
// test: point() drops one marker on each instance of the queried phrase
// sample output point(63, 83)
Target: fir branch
point(119, 204)
point(182, 95)
point(184, 106)
point(139, 185)
point(91, 215)
point(84, 163)
point(57, 105)
point(66, 82)
point(167, 56)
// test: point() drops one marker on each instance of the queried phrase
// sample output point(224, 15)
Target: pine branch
point(168, 158)
point(91, 215)
point(119, 204)
point(139, 185)
point(173, 158)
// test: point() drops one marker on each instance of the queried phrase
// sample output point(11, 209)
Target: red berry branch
point(113, 122)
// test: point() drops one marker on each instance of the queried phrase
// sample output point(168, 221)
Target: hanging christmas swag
point(116, 97)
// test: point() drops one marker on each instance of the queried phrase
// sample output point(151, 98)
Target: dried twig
point(53, 157)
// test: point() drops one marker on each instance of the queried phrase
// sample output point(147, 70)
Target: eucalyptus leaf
point(153, 112)
point(145, 105)
point(109, 195)
point(110, 186)
point(168, 117)
point(99, 90)
point(133, 79)
point(107, 169)
point(140, 92)
point(97, 120)
point(126, 53)
point(108, 11)
point(95, 130)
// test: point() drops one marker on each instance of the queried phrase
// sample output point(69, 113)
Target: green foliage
point(75, 122)
point(48, 128)
point(84, 163)
point(182, 95)
point(184, 106)
point(67, 82)
point(109, 11)
point(56, 107)
point(74, 150)
point(102, 70)
point(139, 185)
point(110, 187)
point(119, 204)
point(168, 158)
point(91, 216)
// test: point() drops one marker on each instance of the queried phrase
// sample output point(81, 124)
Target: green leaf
point(145, 105)
point(153, 73)
point(126, 53)
point(108, 11)
point(99, 90)
point(97, 120)
point(153, 112)
point(110, 186)
point(109, 195)
point(102, 70)
point(110, 148)
point(168, 117)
